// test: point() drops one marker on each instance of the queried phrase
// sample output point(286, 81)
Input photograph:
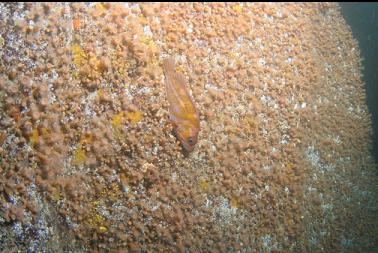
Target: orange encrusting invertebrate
point(183, 113)
point(76, 23)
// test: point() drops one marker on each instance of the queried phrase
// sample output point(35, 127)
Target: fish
point(183, 113)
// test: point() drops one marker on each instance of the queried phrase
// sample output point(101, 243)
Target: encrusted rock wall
point(88, 160)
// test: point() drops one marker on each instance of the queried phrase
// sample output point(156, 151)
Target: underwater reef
point(89, 162)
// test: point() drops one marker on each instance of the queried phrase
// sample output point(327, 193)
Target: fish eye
point(190, 140)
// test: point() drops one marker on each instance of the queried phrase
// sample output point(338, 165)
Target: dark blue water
point(363, 19)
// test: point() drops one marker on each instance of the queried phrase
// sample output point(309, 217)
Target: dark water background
point(363, 19)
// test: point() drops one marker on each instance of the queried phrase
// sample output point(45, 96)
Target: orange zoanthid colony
point(89, 162)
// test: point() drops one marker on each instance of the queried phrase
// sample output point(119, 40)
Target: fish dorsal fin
point(168, 66)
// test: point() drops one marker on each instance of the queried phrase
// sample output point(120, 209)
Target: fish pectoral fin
point(174, 120)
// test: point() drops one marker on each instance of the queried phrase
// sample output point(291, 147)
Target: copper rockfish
point(183, 113)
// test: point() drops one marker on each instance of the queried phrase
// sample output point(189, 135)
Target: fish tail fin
point(169, 65)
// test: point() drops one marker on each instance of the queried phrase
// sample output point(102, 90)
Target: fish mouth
point(184, 144)
point(187, 146)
